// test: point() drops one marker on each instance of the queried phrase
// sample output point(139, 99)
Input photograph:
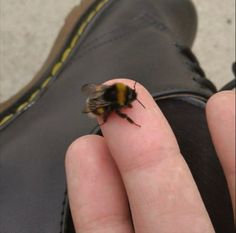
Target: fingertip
point(80, 143)
point(149, 116)
point(220, 111)
point(219, 101)
point(150, 128)
point(79, 148)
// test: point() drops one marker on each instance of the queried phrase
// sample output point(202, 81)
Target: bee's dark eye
point(132, 95)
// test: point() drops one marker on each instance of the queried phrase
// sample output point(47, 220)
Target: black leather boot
point(147, 41)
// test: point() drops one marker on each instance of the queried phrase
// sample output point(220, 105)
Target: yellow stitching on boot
point(58, 65)
point(33, 96)
point(21, 107)
point(82, 27)
point(100, 5)
point(66, 54)
point(90, 17)
point(45, 83)
point(6, 119)
point(74, 41)
point(56, 68)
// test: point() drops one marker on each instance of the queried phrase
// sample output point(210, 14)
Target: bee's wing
point(94, 104)
point(92, 90)
point(94, 93)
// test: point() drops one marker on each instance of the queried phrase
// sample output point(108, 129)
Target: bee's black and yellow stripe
point(122, 91)
point(116, 95)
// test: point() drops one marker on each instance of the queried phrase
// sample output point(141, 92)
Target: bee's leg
point(123, 115)
point(129, 105)
point(94, 129)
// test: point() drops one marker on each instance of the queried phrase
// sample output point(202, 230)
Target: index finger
point(162, 193)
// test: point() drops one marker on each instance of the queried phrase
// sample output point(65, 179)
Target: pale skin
point(140, 172)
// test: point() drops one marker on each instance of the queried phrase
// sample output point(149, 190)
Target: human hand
point(140, 172)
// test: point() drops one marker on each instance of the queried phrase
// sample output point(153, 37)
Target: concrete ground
point(28, 29)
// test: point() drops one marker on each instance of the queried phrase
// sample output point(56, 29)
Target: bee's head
point(132, 95)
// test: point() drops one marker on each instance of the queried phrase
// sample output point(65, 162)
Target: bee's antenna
point(141, 103)
point(136, 98)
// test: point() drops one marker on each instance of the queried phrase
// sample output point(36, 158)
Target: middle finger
point(162, 193)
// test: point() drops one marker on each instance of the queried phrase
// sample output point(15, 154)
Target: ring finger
point(97, 197)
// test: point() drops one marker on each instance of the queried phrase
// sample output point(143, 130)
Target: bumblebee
point(104, 99)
